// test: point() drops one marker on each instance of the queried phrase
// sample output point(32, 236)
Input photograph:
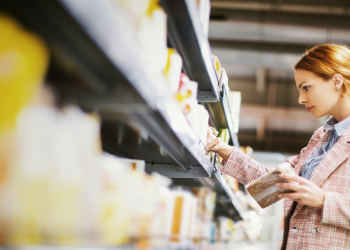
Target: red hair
point(326, 60)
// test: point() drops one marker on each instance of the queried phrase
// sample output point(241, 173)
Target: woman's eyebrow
point(301, 84)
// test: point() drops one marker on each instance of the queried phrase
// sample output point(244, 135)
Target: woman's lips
point(309, 109)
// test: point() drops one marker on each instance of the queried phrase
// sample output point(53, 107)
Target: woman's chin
point(317, 116)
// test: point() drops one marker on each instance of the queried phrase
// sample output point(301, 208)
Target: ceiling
point(258, 42)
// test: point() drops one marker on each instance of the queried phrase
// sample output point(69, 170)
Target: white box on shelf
point(217, 65)
point(135, 165)
point(234, 98)
point(172, 71)
point(184, 213)
point(223, 82)
point(204, 15)
point(152, 37)
point(204, 122)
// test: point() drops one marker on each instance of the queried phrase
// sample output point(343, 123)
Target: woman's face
point(319, 97)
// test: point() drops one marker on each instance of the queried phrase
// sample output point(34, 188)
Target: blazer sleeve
point(336, 209)
point(245, 169)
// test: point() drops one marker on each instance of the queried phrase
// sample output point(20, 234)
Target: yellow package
point(23, 63)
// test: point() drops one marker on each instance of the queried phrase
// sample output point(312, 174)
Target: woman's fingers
point(305, 191)
point(211, 136)
point(292, 186)
point(295, 178)
point(293, 196)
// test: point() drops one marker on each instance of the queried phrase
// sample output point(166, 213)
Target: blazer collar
point(339, 127)
point(346, 135)
point(341, 148)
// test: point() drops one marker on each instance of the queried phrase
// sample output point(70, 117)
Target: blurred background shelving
point(259, 41)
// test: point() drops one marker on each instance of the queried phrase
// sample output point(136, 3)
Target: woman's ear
point(338, 81)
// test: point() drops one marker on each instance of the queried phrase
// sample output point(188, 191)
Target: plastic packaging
point(263, 189)
point(23, 62)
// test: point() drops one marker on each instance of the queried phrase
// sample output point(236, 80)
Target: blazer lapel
point(318, 140)
point(335, 157)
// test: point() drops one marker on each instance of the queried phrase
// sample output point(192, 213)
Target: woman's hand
point(306, 192)
point(211, 138)
point(223, 149)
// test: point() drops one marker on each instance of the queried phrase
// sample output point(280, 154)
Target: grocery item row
point(59, 188)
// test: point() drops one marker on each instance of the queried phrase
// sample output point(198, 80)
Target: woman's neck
point(342, 110)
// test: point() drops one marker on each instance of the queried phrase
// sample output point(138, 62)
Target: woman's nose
point(301, 99)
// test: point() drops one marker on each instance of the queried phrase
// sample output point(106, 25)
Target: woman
point(317, 214)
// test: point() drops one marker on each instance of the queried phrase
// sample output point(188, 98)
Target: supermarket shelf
point(229, 205)
point(91, 51)
point(216, 246)
point(122, 247)
point(45, 247)
point(220, 115)
point(240, 214)
point(187, 37)
point(235, 141)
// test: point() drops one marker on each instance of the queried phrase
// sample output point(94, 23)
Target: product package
point(223, 82)
point(172, 71)
point(234, 98)
point(184, 212)
point(204, 15)
point(263, 189)
point(21, 73)
point(217, 65)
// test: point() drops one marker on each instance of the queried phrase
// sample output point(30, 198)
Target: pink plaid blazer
point(311, 228)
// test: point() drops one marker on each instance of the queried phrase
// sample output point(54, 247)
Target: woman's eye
point(306, 88)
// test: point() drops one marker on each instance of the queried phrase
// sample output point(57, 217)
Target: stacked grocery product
point(182, 226)
point(149, 21)
point(228, 230)
point(23, 62)
point(231, 182)
point(220, 74)
point(224, 135)
point(172, 71)
point(57, 187)
point(145, 23)
point(234, 98)
point(205, 211)
point(196, 115)
point(217, 66)
point(60, 189)
point(204, 15)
